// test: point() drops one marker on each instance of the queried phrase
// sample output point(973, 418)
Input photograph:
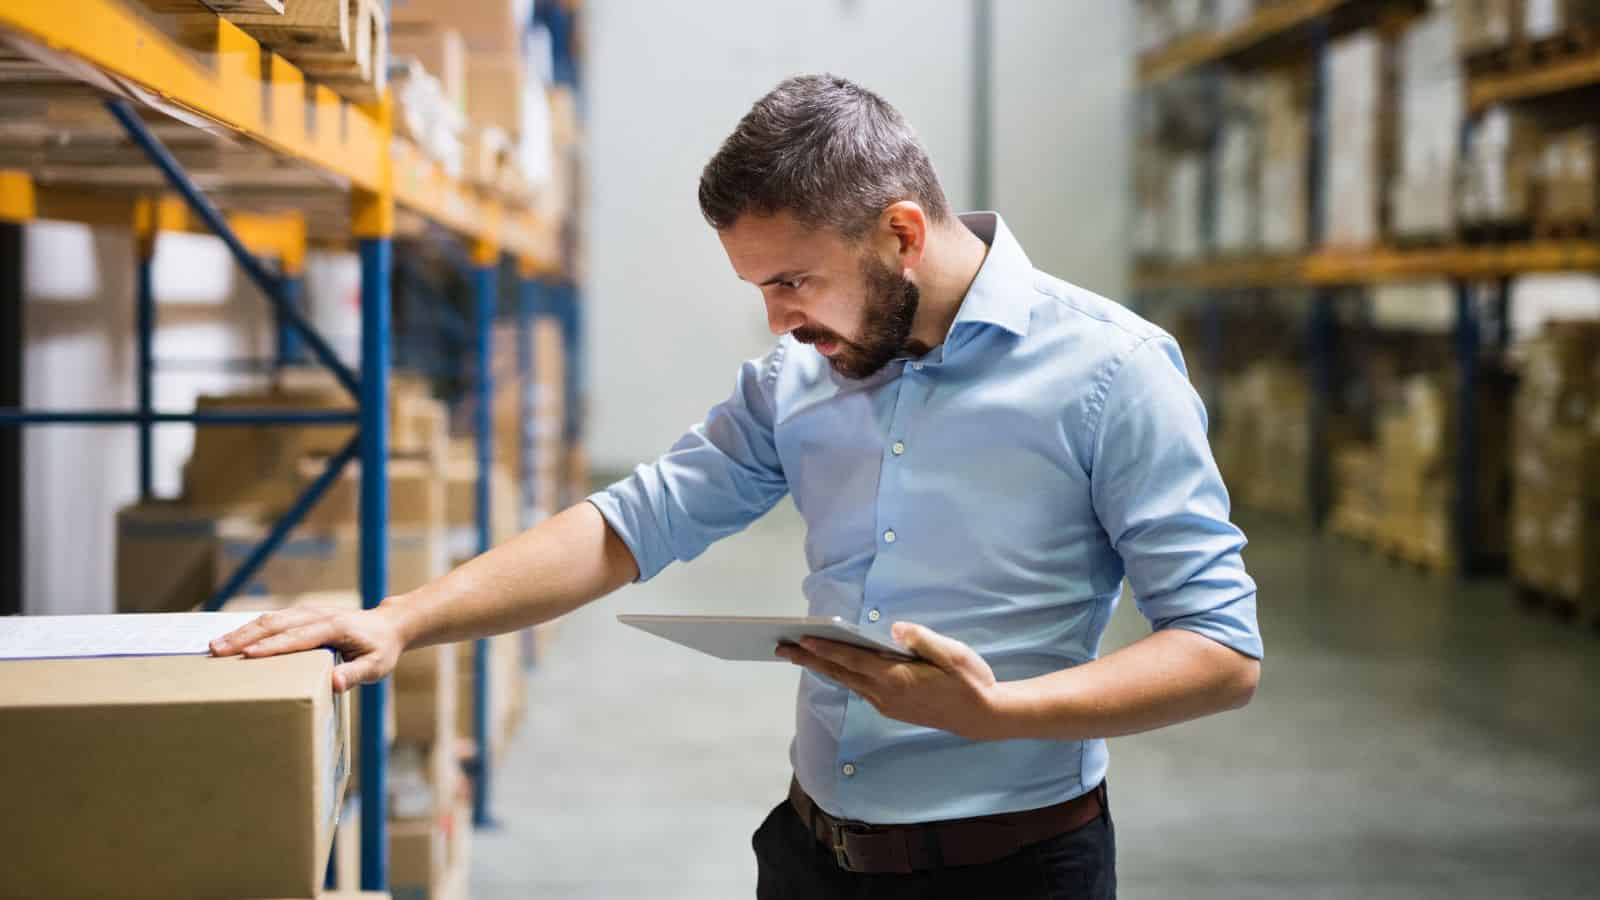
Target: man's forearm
point(547, 571)
point(1168, 677)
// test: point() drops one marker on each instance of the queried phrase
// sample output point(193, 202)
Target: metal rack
point(337, 172)
point(1310, 24)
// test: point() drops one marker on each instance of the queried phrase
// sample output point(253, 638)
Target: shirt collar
point(996, 296)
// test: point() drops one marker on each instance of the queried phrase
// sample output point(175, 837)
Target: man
point(981, 453)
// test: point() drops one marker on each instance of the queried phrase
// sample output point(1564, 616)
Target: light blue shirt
point(997, 490)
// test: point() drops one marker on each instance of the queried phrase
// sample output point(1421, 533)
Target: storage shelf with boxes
point(1453, 143)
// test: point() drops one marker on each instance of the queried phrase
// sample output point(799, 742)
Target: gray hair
point(825, 150)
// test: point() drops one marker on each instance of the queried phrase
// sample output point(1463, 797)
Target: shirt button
point(849, 770)
point(889, 536)
point(874, 616)
point(898, 448)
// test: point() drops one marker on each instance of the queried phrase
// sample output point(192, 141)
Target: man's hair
point(825, 150)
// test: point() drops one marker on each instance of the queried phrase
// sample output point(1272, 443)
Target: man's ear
point(903, 234)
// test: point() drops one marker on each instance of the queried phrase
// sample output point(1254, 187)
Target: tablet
point(755, 638)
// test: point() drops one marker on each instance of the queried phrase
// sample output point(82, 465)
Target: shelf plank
point(1266, 23)
point(1553, 78)
point(1330, 268)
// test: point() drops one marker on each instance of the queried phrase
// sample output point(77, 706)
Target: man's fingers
point(260, 627)
point(306, 637)
point(867, 662)
point(363, 670)
point(852, 680)
point(946, 653)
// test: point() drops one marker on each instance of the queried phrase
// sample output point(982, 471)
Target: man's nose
point(783, 319)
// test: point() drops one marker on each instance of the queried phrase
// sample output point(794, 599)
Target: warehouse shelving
point(1543, 80)
point(1310, 24)
point(1376, 265)
point(291, 164)
point(1269, 29)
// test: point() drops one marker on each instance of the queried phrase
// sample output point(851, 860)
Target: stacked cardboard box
point(1569, 190)
point(170, 776)
point(507, 690)
point(343, 600)
point(1430, 113)
point(1498, 184)
point(240, 479)
point(1285, 161)
point(1555, 530)
point(1544, 19)
point(1417, 437)
point(1238, 168)
point(1262, 444)
point(425, 775)
point(1357, 508)
point(1486, 26)
point(431, 859)
point(1352, 170)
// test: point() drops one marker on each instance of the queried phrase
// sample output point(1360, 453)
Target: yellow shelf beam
point(1266, 23)
point(1349, 267)
point(205, 65)
point(1526, 84)
point(211, 68)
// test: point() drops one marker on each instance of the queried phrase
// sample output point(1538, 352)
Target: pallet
point(1571, 42)
point(1540, 600)
point(1495, 232)
point(1408, 551)
point(1565, 230)
point(341, 43)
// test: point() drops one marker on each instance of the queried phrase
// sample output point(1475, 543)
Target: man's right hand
point(370, 640)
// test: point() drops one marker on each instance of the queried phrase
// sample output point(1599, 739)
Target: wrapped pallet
point(1498, 182)
point(1569, 196)
point(1285, 161)
point(1352, 168)
point(1485, 27)
point(1555, 528)
point(1238, 172)
point(1545, 20)
point(1429, 117)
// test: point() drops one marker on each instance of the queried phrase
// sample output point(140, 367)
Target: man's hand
point(369, 639)
point(950, 687)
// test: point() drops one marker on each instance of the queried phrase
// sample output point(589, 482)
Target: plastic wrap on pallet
point(1185, 204)
point(1430, 113)
point(1543, 19)
point(1285, 155)
point(1351, 165)
point(1497, 185)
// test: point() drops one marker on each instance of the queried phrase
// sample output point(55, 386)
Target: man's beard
point(891, 308)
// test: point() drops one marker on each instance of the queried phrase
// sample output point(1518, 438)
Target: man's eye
point(792, 284)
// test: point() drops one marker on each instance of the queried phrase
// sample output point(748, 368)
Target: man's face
point(839, 296)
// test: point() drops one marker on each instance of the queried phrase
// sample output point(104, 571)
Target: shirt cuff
point(1232, 625)
point(622, 520)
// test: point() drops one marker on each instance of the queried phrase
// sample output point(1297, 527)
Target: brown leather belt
point(903, 849)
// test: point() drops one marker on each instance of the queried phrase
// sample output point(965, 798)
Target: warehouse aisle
point(1410, 739)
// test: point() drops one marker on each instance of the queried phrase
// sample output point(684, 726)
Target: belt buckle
point(839, 855)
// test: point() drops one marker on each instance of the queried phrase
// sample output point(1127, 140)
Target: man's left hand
point(948, 687)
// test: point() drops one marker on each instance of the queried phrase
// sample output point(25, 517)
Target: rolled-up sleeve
point(1162, 502)
point(717, 479)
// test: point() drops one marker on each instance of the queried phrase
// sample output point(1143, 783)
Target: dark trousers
point(1079, 865)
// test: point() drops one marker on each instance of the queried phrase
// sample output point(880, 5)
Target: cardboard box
point(349, 600)
point(424, 695)
point(416, 495)
point(440, 49)
point(496, 84)
point(170, 776)
point(419, 858)
point(166, 557)
point(506, 691)
point(487, 26)
point(328, 560)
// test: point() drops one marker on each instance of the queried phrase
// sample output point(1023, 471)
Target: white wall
point(668, 322)
point(80, 354)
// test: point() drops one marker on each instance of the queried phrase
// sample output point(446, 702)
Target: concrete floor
point(1411, 738)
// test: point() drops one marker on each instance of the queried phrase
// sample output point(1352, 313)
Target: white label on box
point(123, 634)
